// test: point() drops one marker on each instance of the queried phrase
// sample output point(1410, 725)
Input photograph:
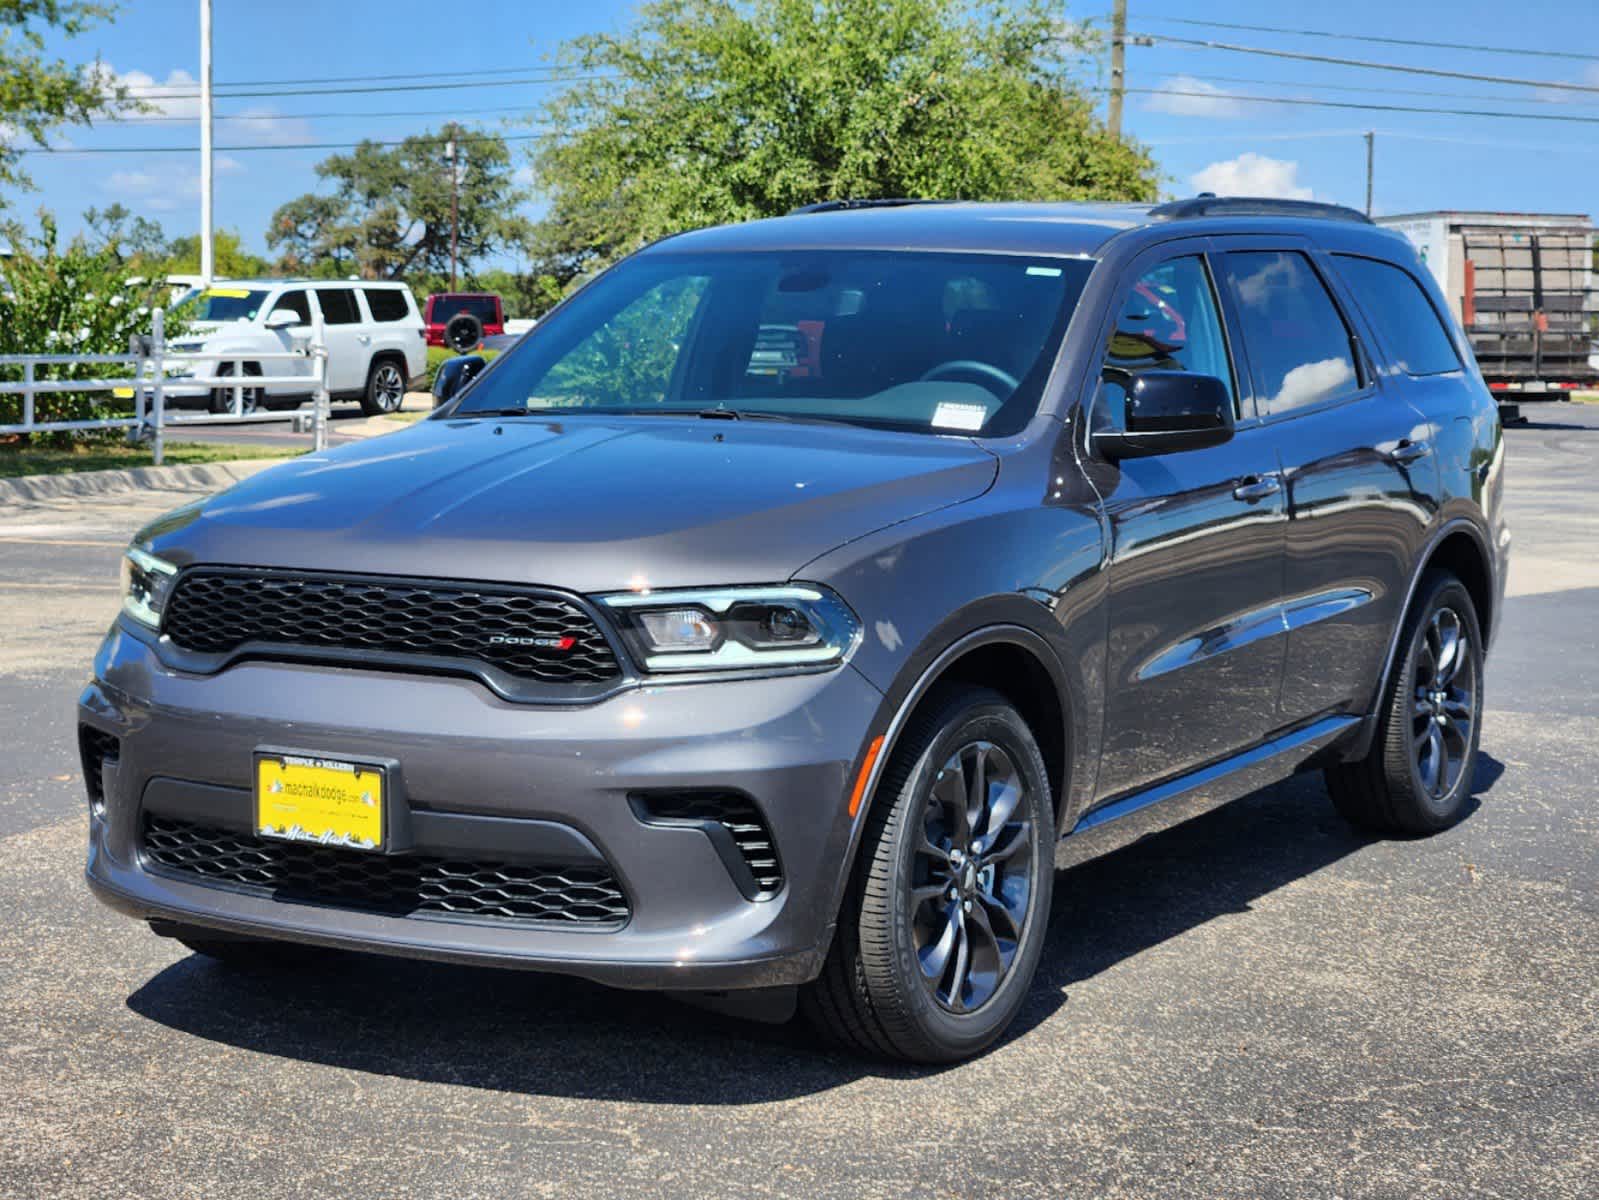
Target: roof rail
point(842, 205)
point(1207, 204)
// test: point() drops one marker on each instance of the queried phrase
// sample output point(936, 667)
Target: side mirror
point(1167, 412)
point(283, 318)
point(453, 375)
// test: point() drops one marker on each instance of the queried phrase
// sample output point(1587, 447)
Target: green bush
point(69, 301)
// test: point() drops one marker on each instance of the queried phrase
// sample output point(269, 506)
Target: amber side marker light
point(859, 793)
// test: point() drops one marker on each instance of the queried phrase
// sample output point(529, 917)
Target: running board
point(1266, 760)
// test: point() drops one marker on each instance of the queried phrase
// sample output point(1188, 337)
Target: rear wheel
point(385, 388)
point(1417, 775)
point(944, 920)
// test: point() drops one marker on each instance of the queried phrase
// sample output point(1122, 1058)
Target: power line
point(1365, 89)
point(1371, 66)
point(319, 116)
point(1350, 104)
point(354, 91)
point(1367, 37)
point(464, 137)
point(167, 90)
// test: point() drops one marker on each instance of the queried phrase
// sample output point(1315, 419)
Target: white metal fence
point(147, 381)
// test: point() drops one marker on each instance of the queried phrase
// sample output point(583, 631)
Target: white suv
point(375, 337)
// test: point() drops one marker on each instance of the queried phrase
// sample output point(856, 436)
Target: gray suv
point(757, 625)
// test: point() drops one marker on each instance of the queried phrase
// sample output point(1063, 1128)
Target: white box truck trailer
point(1523, 287)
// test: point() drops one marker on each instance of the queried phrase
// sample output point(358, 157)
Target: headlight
point(742, 628)
point(146, 584)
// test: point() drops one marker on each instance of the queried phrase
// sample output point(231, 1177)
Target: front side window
point(1411, 330)
point(1300, 353)
point(295, 302)
point(338, 306)
point(1168, 321)
point(930, 342)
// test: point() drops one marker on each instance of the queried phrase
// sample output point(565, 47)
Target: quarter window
point(338, 306)
point(386, 304)
point(1412, 332)
point(1167, 322)
point(1300, 352)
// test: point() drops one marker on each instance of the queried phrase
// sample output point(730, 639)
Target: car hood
point(590, 504)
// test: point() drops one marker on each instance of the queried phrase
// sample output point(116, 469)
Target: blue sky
point(1424, 161)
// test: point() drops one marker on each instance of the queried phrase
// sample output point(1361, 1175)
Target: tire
point(251, 399)
point(240, 952)
point(1417, 775)
point(873, 996)
point(385, 388)
point(463, 332)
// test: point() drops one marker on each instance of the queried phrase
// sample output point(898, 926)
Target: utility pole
point(207, 183)
point(455, 187)
point(1118, 65)
point(1371, 154)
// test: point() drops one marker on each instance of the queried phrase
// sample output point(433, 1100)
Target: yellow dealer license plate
point(324, 801)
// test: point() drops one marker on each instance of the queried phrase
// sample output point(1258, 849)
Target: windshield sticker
point(959, 416)
point(230, 293)
point(1046, 272)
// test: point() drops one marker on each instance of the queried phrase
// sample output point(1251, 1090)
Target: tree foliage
point(77, 299)
point(714, 110)
point(39, 94)
point(389, 213)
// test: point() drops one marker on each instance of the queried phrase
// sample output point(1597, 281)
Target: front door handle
point(1257, 487)
point(1409, 451)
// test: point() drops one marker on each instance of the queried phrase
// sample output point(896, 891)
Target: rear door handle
point(1257, 487)
point(1409, 451)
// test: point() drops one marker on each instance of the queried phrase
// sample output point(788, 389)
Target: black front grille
point(527, 635)
point(734, 812)
point(398, 885)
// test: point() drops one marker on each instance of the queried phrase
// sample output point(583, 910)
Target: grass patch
point(17, 459)
point(437, 355)
point(1585, 397)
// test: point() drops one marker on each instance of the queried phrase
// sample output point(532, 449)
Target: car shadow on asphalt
point(525, 1033)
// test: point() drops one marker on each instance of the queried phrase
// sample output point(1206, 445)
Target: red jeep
point(460, 320)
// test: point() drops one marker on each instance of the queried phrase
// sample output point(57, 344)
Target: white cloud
point(177, 97)
point(1252, 174)
point(1185, 96)
point(165, 188)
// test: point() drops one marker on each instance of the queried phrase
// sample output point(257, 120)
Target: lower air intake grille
point(734, 812)
point(399, 885)
point(96, 749)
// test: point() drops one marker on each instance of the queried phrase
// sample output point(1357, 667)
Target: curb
point(210, 476)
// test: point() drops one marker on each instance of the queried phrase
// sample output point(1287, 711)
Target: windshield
point(941, 343)
point(222, 304)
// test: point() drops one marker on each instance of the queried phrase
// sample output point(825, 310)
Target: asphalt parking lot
point(1244, 1001)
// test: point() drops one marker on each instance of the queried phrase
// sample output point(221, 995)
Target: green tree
point(389, 214)
point(39, 94)
point(232, 260)
point(712, 110)
point(131, 238)
point(77, 299)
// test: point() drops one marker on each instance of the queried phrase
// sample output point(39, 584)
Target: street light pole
point(207, 183)
point(455, 187)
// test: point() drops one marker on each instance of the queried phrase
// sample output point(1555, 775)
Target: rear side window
point(1299, 348)
point(387, 304)
point(338, 306)
point(1412, 332)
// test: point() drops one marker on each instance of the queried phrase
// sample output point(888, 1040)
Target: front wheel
point(1417, 775)
point(250, 398)
point(944, 921)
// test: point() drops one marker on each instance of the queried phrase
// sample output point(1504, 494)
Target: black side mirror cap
point(453, 375)
point(1168, 412)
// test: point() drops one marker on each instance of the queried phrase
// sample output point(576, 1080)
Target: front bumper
point(480, 774)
